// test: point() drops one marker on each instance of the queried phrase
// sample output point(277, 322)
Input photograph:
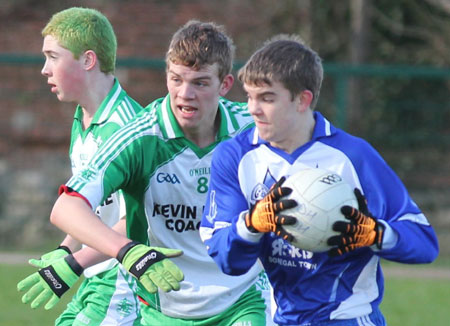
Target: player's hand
point(265, 215)
point(151, 266)
point(50, 257)
point(363, 230)
point(50, 283)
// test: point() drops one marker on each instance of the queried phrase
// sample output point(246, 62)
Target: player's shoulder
point(147, 118)
point(353, 144)
point(131, 104)
point(125, 111)
point(143, 123)
point(240, 143)
point(236, 114)
point(357, 149)
point(237, 109)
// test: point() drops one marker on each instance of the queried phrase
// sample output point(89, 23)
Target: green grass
point(12, 311)
point(416, 302)
point(407, 301)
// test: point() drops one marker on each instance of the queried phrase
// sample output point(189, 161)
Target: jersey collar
point(107, 106)
point(323, 128)
point(171, 129)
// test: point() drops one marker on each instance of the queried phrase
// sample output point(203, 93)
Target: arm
point(71, 243)
point(91, 186)
point(88, 256)
point(232, 252)
point(89, 229)
point(150, 265)
point(408, 236)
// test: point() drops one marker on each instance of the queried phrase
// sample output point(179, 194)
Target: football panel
point(320, 195)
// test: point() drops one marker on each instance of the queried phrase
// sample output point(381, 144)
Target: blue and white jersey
point(311, 287)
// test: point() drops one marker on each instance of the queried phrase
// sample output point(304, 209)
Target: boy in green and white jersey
point(161, 161)
point(80, 70)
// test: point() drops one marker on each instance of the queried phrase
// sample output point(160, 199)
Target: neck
point(297, 139)
point(204, 135)
point(94, 96)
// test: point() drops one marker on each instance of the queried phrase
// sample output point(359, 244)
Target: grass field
point(12, 311)
point(409, 300)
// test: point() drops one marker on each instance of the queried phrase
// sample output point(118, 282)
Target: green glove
point(50, 257)
point(151, 266)
point(50, 283)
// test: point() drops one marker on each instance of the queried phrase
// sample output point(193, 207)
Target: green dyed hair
point(81, 29)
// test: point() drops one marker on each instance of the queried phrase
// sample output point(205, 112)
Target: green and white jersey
point(164, 178)
point(114, 112)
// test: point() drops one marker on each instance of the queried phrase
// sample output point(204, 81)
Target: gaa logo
point(166, 177)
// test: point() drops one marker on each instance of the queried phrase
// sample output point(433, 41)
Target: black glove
point(264, 215)
point(363, 230)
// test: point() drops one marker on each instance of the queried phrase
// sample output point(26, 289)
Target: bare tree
point(360, 17)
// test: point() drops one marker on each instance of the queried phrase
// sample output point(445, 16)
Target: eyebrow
point(194, 79)
point(49, 52)
point(266, 93)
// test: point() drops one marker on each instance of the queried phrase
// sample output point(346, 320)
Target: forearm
point(88, 228)
point(71, 243)
point(417, 244)
point(233, 254)
point(87, 256)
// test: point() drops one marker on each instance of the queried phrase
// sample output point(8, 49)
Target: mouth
point(187, 109)
point(53, 88)
point(259, 122)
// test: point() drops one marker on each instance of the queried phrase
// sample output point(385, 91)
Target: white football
point(319, 194)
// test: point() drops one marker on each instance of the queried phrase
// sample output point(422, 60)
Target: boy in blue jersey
point(80, 69)
point(161, 161)
point(243, 217)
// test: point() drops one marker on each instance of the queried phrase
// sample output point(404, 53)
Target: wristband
point(74, 265)
point(123, 251)
point(65, 248)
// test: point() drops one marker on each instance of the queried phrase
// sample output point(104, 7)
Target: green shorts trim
point(104, 299)
point(249, 310)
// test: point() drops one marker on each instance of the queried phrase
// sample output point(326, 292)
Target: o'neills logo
point(52, 279)
point(144, 261)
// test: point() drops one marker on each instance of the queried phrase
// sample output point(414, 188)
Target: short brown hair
point(197, 44)
point(286, 59)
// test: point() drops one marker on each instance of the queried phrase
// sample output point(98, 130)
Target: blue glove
point(50, 283)
point(50, 257)
point(151, 266)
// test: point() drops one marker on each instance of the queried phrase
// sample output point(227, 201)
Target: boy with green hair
point(80, 50)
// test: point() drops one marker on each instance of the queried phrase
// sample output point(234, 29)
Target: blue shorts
point(373, 319)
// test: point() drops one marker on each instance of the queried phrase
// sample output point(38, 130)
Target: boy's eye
point(201, 83)
point(267, 99)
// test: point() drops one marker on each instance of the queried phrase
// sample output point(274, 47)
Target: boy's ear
point(305, 97)
point(226, 85)
point(89, 59)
